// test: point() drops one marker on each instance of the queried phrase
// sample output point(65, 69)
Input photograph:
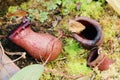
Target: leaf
point(17, 13)
point(7, 67)
point(75, 26)
point(32, 72)
point(115, 5)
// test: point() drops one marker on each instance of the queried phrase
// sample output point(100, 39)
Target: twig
point(61, 59)
point(60, 35)
point(2, 36)
point(56, 72)
point(22, 56)
point(14, 53)
point(92, 77)
point(2, 56)
point(41, 58)
point(111, 46)
point(3, 52)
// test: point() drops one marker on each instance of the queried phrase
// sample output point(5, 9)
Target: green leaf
point(31, 72)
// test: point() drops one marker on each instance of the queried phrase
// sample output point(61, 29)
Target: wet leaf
point(32, 72)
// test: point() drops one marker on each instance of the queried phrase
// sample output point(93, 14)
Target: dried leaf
point(6, 70)
point(115, 4)
point(75, 26)
point(18, 13)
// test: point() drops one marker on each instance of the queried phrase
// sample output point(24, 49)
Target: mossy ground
point(72, 60)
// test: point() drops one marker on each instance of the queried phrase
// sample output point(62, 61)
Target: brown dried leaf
point(115, 5)
point(6, 70)
point(75, 26)
point(18, 13)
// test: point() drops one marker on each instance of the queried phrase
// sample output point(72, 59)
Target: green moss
point(108, 26)
point(12, 9)
point(93, 9)
point(72, 48)
point(77, 67)
point(23, 6)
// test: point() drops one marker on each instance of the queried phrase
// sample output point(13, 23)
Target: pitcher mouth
point(89, 33)
point(94, 57)
point(92, 31)
point(24, 24)
point(92, 35)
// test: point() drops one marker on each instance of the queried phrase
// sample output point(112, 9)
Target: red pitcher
point(98, 59)
point(39, 46)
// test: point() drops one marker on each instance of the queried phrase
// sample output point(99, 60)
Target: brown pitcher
point(39, 46)
point(97, 58)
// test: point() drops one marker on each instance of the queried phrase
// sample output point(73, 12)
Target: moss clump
point(75, 64)
point(109, 26)
point(78, 67)
point(92, 9)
